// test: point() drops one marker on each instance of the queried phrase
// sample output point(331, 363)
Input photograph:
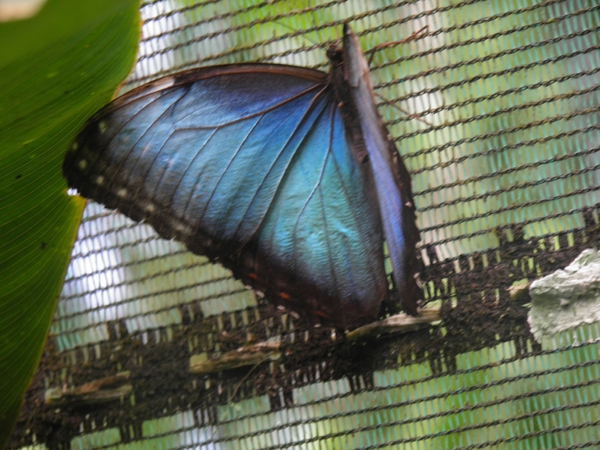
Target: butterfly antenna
point(313, 15)
point(212, 436)
point(409, 114)
point(294, 30)
point(413, 37)
point(239, 385)
point(237, 388)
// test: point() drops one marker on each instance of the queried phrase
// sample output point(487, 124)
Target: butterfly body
point(266, 169)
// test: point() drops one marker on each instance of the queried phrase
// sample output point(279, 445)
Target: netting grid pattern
point(505, 167)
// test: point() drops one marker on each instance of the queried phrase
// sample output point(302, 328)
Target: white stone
point(567, 298)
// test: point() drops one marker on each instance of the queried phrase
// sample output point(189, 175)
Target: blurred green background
point(508, 91)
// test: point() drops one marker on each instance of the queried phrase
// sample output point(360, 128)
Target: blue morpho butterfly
point(285, 175)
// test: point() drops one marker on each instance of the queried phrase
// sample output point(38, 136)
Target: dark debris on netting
point(159, 369)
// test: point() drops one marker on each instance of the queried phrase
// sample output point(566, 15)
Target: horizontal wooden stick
point(400, 323)
point(97, 391)
point(249, 355)
point(255, 354)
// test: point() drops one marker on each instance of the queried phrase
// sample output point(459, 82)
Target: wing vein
point(286, 169)
point(124, 160)
point(188, 168)
point(223, 172)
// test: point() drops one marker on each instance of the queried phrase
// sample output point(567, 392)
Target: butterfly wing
point(392, 179)
point(249, 165)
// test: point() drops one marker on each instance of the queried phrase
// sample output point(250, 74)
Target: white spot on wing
point(99, 179)
point(102, 126)
point(82, 164)
point(122, 193)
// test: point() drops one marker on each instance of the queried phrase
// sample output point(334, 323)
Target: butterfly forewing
point(391, 179)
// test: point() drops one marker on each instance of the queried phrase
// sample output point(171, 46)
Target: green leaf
point(56, 69)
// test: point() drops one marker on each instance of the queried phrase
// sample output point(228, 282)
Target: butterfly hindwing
point(328, 180)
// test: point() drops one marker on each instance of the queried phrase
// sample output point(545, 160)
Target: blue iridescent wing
point(392, 179)
point(250, 165)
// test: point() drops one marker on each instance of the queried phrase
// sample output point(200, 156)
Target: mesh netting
point(501, 135)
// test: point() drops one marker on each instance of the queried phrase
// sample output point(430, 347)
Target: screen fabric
point(495, 107)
